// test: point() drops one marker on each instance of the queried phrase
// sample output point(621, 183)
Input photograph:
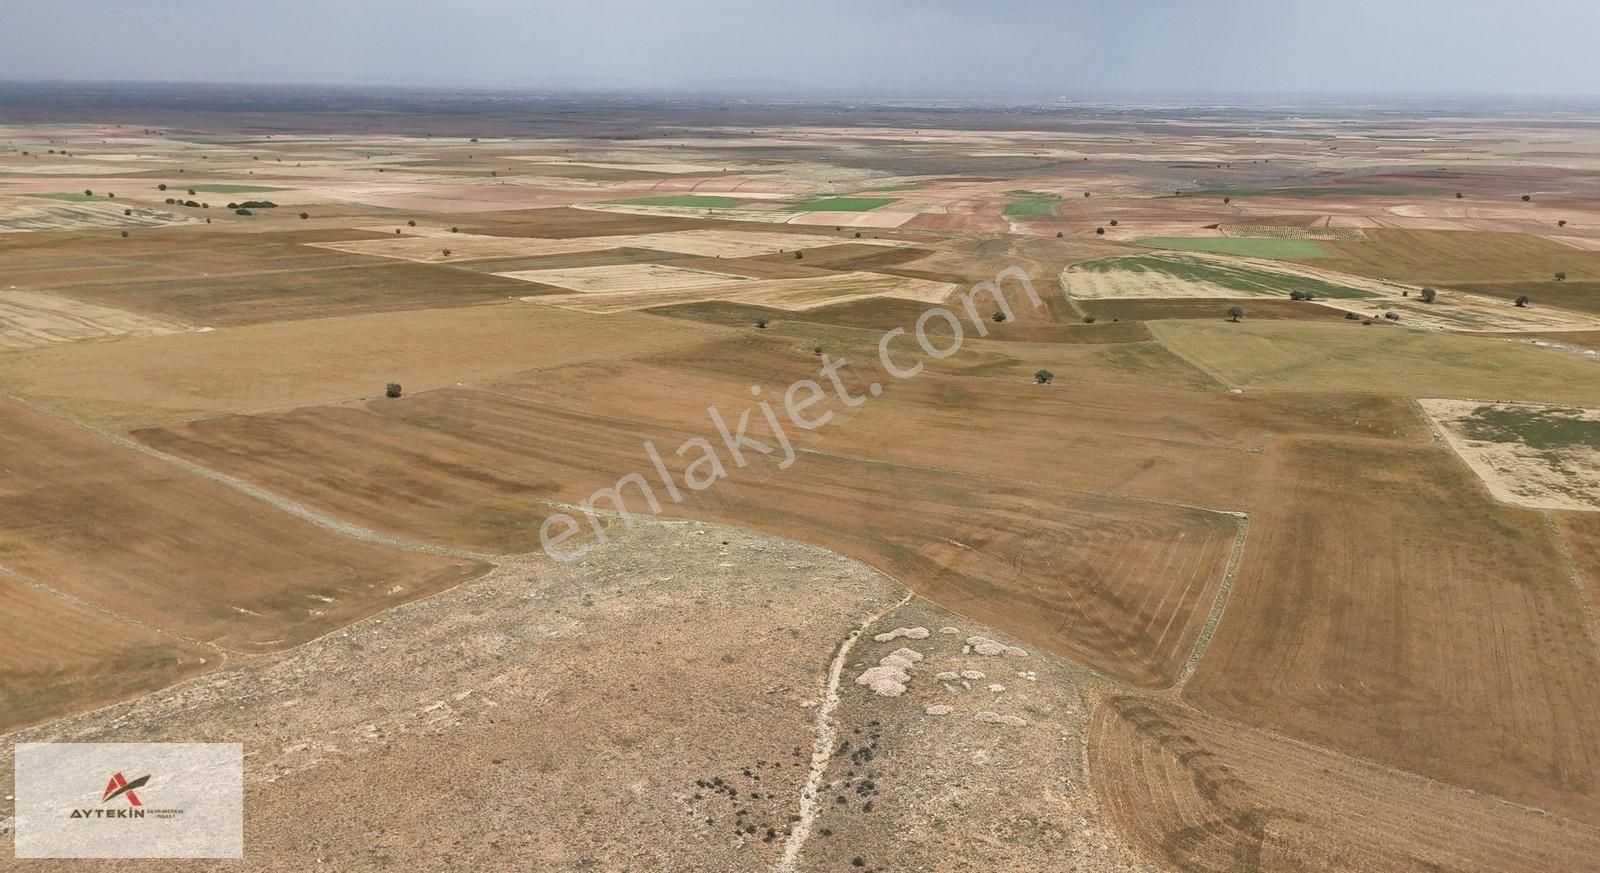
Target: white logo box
point(129, 800)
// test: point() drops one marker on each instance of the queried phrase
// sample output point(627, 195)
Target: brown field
point(132, 535)
point(1435, 257)
point(686, 286)
point(1388, 609)
point(287, 364)
point(1198, 794)
point(61, 656)
point(1147, 572)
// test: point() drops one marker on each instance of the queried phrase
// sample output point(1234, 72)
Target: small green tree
point(1561, 277)
point(1523, 300)
point(998, 316)
point(1044, 377)
point(1527, 198)
point(305, 215)
point(761, 322)
point(447, 253)
point(392, 390)
point(1235, 313)
point(1429, 295)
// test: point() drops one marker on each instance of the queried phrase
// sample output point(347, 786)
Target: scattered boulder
point(910, 633)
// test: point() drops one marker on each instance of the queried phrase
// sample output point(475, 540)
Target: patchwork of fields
point(1264, 538)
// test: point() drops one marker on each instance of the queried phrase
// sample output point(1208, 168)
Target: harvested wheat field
point(1387, 608)
point(171, 550)
point(63, 655)
point(1546, 457)
point(1378, 358)
point(29, 320)
point(795, 295)
point(1199, 794)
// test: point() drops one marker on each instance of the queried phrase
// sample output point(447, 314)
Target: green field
point(1249, 247)
point(705, 201)
point(1374, 359)
point(1322, 191)
point(840, 204)
point(1232, 277)
point(70, 197)
point(1534, 427)
point(1032, 203)
point(218, 189)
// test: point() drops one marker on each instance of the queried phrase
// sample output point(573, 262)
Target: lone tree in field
point(1088, 319)
point(1561, 277)
point(761, 322)
point(161, 187)
point(1235, 313)
point(798, 255)
point(1100, 231)
point(1561, 223)
point(1458, 195)
point(1227, 200)
point(1523, 300)
point(305, 215)
point(447, 253)
point(1429, 295)
point(191, 192)
point(88, 193)
point(998, 316)
point(411, 224)
point(1043, 377)
point(1113, 222)
point(392, 390)
point(1527, 198)
point(124, 234)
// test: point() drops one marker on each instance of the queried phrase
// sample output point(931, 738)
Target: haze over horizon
point(1018, 49)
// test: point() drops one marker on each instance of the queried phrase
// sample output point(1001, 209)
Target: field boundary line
point(822, 749)
point(1207, 371)
point(1214, 618)
point(278, 501)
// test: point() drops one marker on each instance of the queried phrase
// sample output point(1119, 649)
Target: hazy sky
point(923, 47)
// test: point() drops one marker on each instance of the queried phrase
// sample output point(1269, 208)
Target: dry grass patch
point(1546, 457)
point(1379, 359)
point(29, 320)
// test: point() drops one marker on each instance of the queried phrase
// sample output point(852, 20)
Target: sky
point(1025, 48)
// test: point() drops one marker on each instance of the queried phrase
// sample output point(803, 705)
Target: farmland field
point(1355, 357)
point(1445, 257)
point(840, 204)
point(1265, 247)
point(1178, 276)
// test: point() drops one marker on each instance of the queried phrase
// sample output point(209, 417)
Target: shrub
point(1561, 277)
point(233, 206)
point(798, 255)
point(1523, 300)
point(161, 187)
point(1351, 316)
point(761, 322)
point(447, 253)
point(1113, 222)
point(1561, 223)
point(193, 203)
point(304, 215)
point(1044, 377)
point(816, 350)
point(124, 234)
point(88, 193)
point(127, 212)
point(243, 212)
point(1392, 316)
point(1526, 198)
point(1235, 313)
point(191, 192)
point(392, 390)
point(1297, 294)
point(1088, 319)
point(1429, 295)
point(1100, 231)
point(998, 316)
point(1058, 234)
point(411, 224)
point(455, 230)
point(1458, 195)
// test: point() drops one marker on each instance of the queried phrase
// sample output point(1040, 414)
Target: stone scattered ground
point(650, 708)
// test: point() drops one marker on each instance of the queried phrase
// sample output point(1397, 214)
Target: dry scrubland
point(1220, 597)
